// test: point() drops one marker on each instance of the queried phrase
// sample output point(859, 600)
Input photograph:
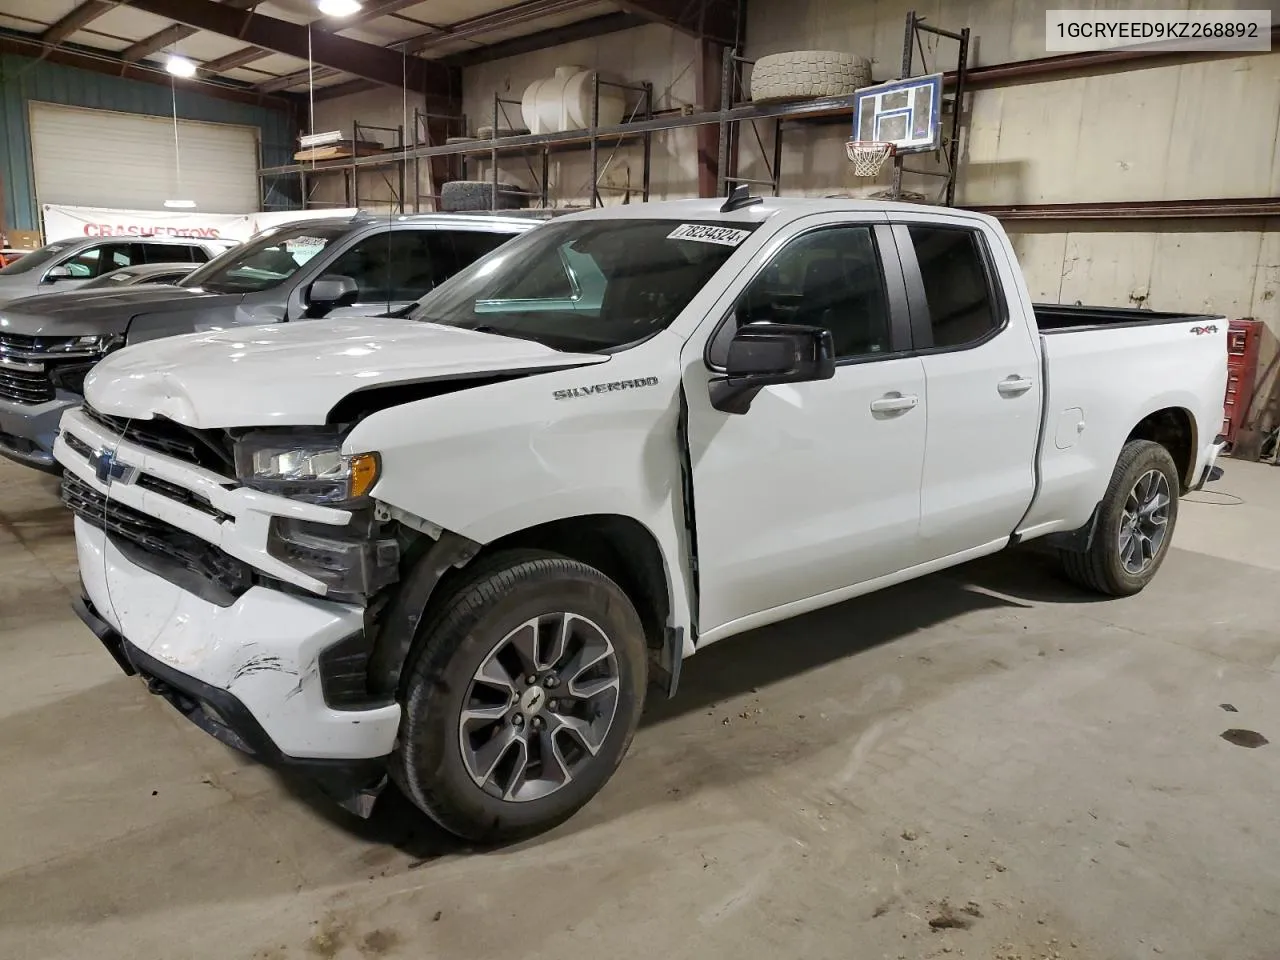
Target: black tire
point(502, 593)
point(1100, 568)
point(458, 196)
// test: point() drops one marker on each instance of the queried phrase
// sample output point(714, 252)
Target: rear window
point(962, 309)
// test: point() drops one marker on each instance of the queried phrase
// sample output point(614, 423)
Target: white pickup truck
point(456, 549)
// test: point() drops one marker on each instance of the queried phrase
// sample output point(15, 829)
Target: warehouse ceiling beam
point(77, 19)
point(246, 55)
point(515, 47)
point(545, 39)
point(713, 19)
point(236, 58)
point(462, 30)
point(30, 45)
point(360, 59)
point(173, 34)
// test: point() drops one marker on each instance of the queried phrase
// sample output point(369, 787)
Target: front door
point(982, 374)
point(816, 487)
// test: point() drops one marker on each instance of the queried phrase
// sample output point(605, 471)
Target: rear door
point(982, 377)
point(816, 488)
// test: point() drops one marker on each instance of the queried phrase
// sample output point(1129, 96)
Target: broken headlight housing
point(306, 465)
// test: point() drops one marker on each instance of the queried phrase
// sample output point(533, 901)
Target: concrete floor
point(1035, 772)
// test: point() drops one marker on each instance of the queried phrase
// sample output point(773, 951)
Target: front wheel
point(1135, 523)
point(523, 698)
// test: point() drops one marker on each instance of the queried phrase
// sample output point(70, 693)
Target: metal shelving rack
point(592, 139)
point(640, 128)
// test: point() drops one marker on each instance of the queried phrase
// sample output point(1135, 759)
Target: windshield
point(266, 262)
point(36, 259)
point(586, 285)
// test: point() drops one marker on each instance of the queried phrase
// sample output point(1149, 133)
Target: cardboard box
point(24, 239)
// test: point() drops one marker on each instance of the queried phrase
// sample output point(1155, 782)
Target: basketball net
point(868, 156)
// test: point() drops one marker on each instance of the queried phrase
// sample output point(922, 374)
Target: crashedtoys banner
point(66, 223)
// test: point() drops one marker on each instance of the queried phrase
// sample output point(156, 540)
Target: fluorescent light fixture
point(308, 140)
point(339, 8)
point(180, 204)
point(180, 66)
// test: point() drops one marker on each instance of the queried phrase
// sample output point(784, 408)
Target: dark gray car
point(363, 266)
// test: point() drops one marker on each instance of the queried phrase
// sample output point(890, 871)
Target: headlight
point(87, 346)
point(306, 465)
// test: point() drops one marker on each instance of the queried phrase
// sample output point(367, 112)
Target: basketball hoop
point(868, 156)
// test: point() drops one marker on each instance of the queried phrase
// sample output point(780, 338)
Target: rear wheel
point(1135, 523)
point(523, 698)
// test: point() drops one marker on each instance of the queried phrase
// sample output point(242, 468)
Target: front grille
point(21, 344)
point(156, 537)
point(31, 368)
point(182, 495)
point(155, 484)
point(210, 449)
point(26, 383)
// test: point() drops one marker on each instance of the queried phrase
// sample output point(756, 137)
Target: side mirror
point(330, 292)
point(58, 273)
point(763, 354)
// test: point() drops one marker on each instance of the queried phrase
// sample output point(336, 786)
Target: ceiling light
point(180, 66)
point(180, 204)
point(339, 8)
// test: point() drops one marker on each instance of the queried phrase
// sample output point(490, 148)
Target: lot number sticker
point(703, 233)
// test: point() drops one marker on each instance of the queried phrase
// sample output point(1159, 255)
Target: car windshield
point(35, 259)
point(266, 262)
point(586, 285)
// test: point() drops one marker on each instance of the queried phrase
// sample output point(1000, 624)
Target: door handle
point(894, 403)
point(1014, 386)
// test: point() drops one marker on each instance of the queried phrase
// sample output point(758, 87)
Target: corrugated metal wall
point(23, 80)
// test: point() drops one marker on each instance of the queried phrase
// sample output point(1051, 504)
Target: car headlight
point(86, 346)
point(305, 465)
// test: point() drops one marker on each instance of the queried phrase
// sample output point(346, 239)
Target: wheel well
point(619, 547)
point(1174, 430)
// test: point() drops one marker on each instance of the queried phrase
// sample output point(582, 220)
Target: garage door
point(99, 158)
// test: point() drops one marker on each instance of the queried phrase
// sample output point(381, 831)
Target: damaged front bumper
point(189, 583)
point(353, 783)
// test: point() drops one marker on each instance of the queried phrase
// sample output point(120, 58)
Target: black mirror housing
point(332, 291)
point(764, 354)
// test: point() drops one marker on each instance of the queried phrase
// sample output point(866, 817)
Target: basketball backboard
point(906, 113)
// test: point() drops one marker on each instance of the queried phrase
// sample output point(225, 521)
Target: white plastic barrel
point(563, 102)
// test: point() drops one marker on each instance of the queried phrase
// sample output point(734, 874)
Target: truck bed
point(1057, 317)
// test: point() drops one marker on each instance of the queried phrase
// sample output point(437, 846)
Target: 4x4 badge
point(1201, 331)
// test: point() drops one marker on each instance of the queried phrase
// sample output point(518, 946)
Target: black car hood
point(84, 312)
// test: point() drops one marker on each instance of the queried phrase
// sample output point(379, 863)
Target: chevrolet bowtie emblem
point(109, 470)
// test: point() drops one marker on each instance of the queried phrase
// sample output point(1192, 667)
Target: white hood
point(294, 373)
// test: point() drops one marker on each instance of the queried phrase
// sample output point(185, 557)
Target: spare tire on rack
point(805, 74)
point(457, 196)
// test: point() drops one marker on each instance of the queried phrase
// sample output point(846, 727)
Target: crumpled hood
point(292, 374)
point(75, 313)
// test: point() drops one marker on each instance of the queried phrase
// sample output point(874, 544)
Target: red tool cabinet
point(1243, 339)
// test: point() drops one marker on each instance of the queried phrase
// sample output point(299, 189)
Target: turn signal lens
point(364, 473)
